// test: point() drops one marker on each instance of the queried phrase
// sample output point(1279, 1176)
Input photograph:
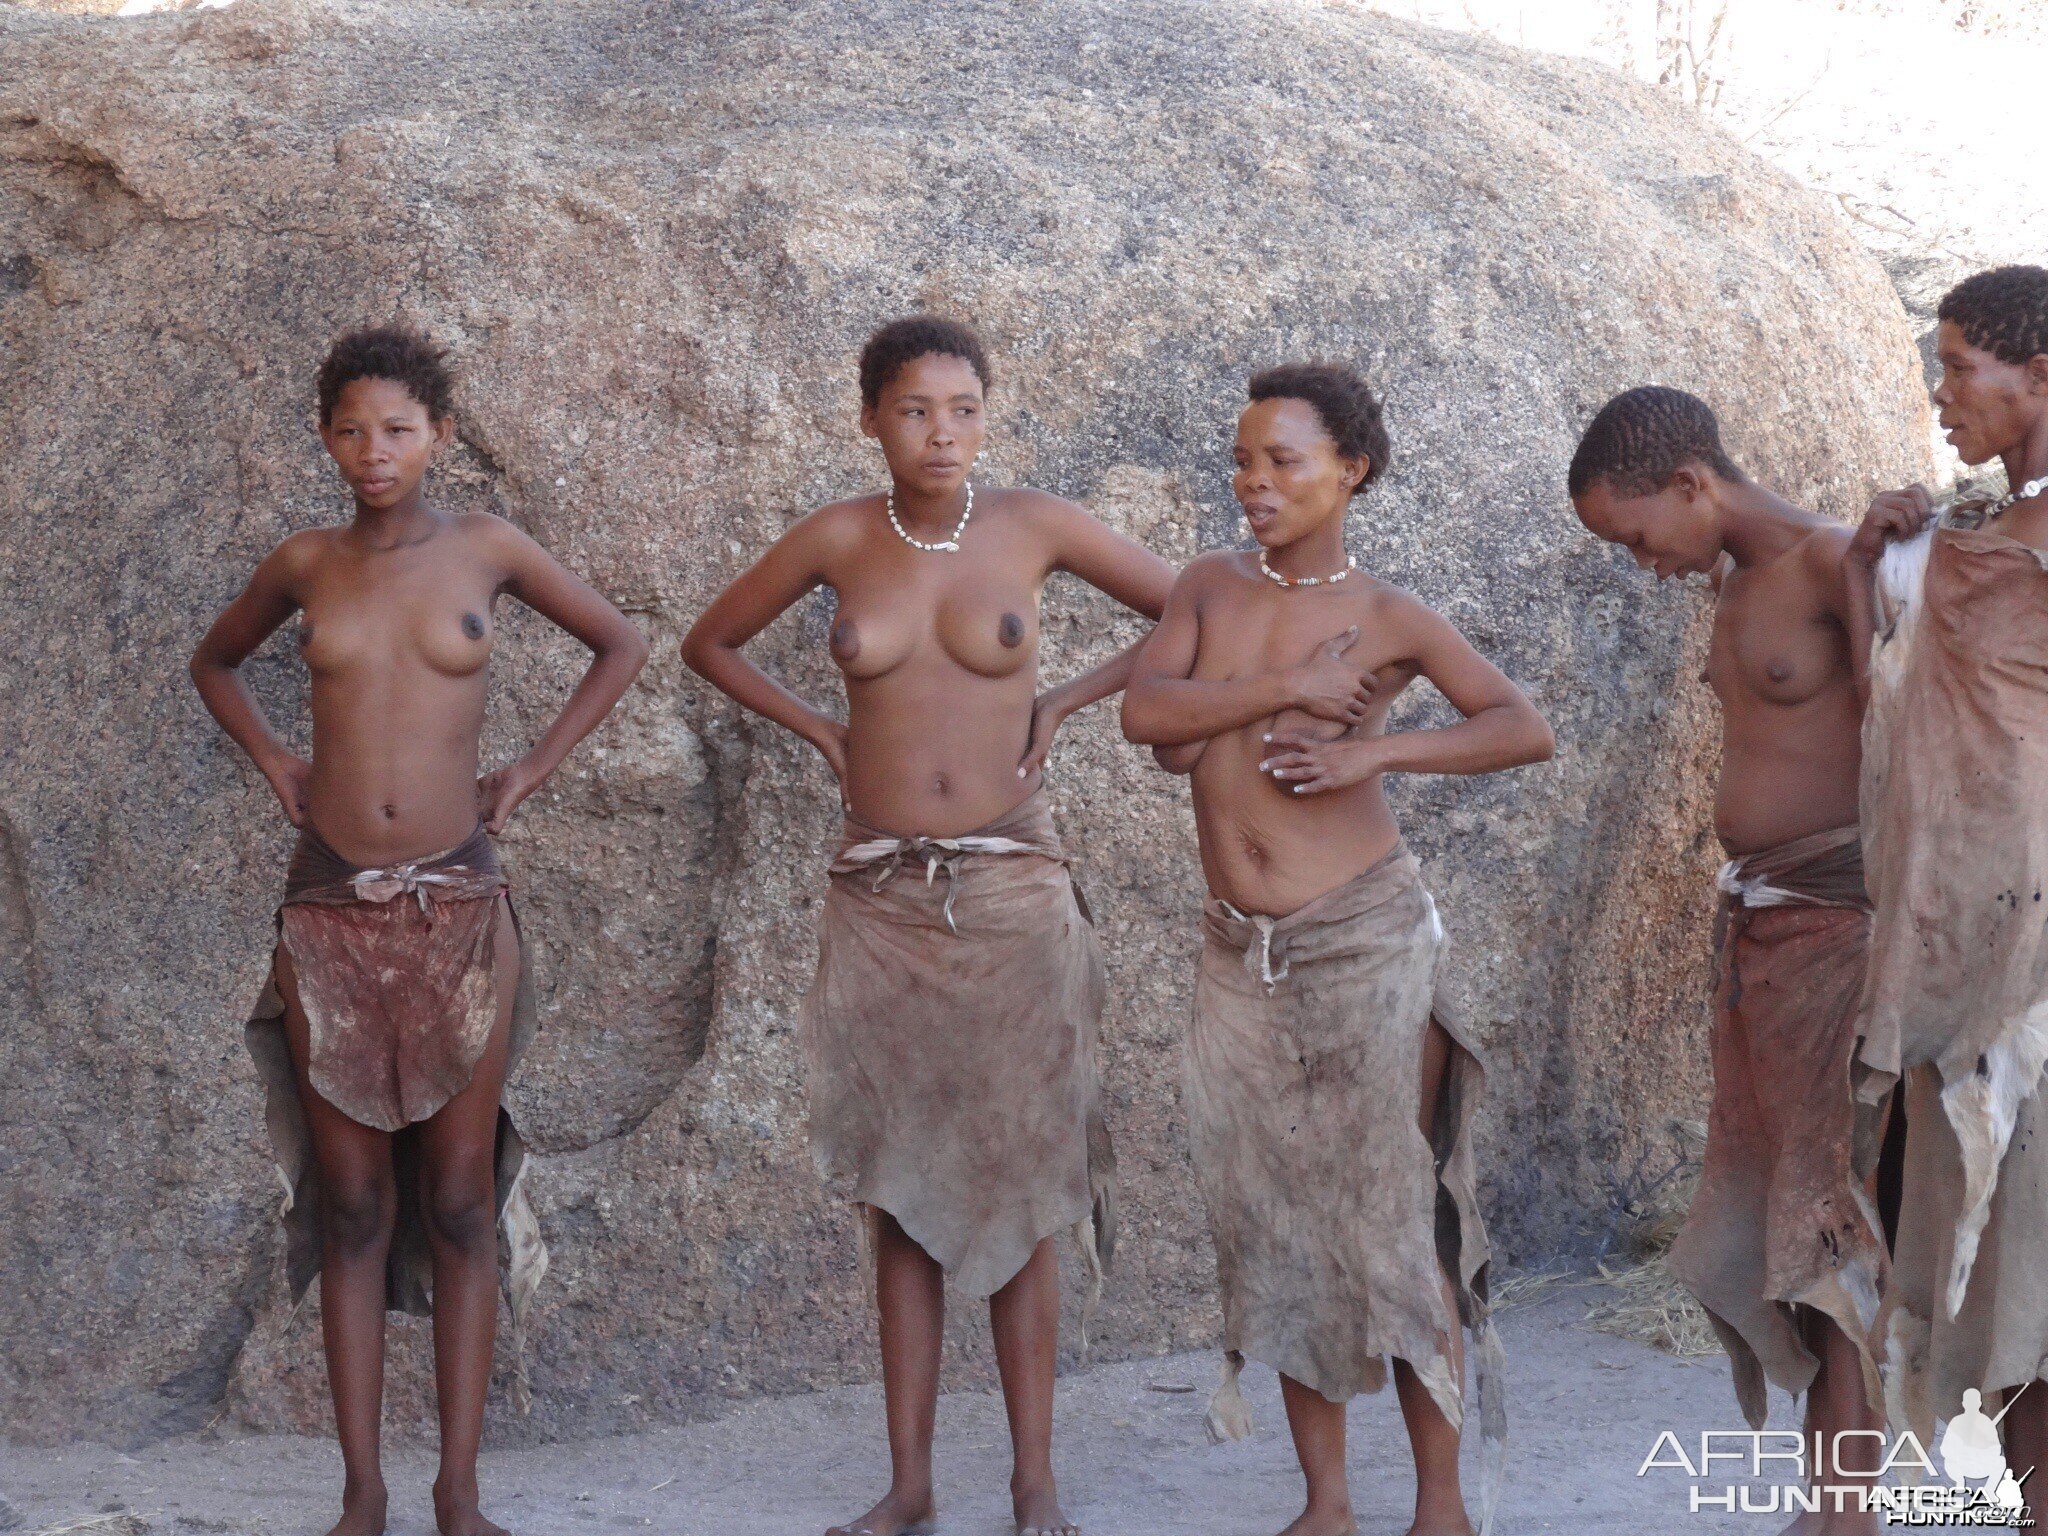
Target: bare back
point(1266, 849)
point(1791, 734)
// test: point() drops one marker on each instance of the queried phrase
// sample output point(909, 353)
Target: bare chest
point(977, 610)
point(377, 615)
point(1246, 631)
point(1773, 641)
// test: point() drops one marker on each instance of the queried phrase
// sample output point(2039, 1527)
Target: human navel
point(1011, 630)
point(941, 785)
point(472, 626)
point(390, 812)
point(845, 640)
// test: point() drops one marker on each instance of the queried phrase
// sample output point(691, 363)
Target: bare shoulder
point(1053, 518)
point(296, 560)
point(302, 550)
point(836, 528)
point(1027, 502)
point(1212, 572)
point(497, 543)
point(1822, 551)
point(487, 530)
point(1402, 621)
point(1386, 603)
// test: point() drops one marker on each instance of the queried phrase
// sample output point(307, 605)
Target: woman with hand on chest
point(951, 1026)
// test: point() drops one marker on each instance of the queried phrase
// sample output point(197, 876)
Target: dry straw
point(1649, 1305)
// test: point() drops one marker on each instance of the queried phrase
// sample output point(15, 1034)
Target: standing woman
point(951, 1026)
point(399, 998)
point(1955, 833)
point(1330, 1095)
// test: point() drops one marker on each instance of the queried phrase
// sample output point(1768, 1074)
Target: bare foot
point(1446, 1525)
point(904, 1512)
point(362, 1510)
point(456, 1512)
point(1324, 1522)
point(1037, 1507)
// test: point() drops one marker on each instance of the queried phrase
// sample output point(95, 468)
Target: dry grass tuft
point(1524, 1288)
point(1649, 1305)
point(97, 1525)
point(1652, 1308)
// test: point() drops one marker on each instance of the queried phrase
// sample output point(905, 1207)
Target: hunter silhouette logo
point(1970, 1452)
point(1981, 1489)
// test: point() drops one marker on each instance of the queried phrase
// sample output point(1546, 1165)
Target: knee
point(356, 1218)
point(461, 1215)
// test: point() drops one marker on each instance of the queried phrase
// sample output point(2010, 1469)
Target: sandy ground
point(1585, 1409)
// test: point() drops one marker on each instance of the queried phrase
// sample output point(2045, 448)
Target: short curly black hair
point(1641, 439)
point(2003, 312)
point(904, 341)
point(1345, 404)
point(391, 352)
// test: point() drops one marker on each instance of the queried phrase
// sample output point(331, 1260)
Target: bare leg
point(1836, 1403)
point(1318, 1428)
point(458, 1195)
point(358, 1205)
point(1024, 1316)
point(910, 1295)
point(1439, 1496)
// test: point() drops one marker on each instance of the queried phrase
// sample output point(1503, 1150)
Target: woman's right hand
point(1329, 687)
point(291, 778)
point(1893, 517)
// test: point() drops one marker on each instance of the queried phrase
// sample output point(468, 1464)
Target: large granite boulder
point(656, 234)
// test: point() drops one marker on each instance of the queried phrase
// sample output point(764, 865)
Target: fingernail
point(1020, 773)
point(1263, 767)
point(1267, 737)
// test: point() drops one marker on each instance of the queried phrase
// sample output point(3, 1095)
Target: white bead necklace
point(944, 546)
point(1350, 565)
point(2026, 492)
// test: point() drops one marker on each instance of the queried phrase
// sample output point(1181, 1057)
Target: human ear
point(444, 430)
point(867, 421)
point(2037, 374)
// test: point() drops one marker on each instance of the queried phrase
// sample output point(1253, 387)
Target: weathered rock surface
point(656, 234)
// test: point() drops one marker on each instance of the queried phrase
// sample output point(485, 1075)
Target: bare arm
point(1501, 728)
point(618, 651)
point(1164, 706)
point(791, 567)
point(270, 598)
point(1086, 547)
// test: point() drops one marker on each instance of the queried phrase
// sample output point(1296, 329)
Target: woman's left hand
point(1048, 712)
point(499, 792)
point(1309, 766)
